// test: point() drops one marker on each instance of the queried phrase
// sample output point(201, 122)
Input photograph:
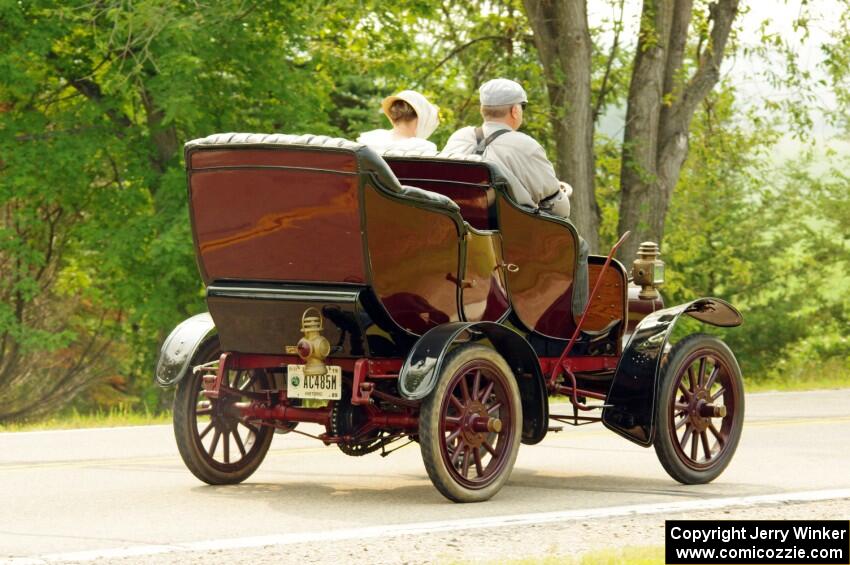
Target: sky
point(748, 73)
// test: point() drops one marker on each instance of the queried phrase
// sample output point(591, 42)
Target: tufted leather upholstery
point(274, 139)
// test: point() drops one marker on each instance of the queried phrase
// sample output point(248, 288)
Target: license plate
point(325, 387)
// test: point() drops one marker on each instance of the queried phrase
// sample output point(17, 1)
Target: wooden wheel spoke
point(680, 406)
point(701, 373)
point(225, 444)
point(453, 422)
point(713, 377)
point(487, 392)
point(494, 407)
point(251, 427)
point(716, 434)
point(718, 394)
point(453, 436)
point(691, 380)
point(686, 436)
point(476, 384)
point(694, 447)
point(479, 468)
point(486, 445)
point(214, 443)
point(682, 422)
point(238, 440)
point(458, 451)
point(683, 390)
point(457, 404)
point(206, 430)
point(705, 447)
point(465, 469)
point(464, 389)
point(203, 412)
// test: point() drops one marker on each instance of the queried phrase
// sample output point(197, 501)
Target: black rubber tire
point(668, 446)
point(431, 438)
point(186, 430)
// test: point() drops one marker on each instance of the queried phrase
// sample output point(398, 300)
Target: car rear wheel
point(216, 444)
point(470, 425)
point(700, 410)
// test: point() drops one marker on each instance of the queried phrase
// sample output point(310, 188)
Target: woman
point(413, 119)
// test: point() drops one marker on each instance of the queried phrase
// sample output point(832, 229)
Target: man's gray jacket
point(523, 162)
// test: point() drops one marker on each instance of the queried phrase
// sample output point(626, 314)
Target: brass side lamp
point(648, 270)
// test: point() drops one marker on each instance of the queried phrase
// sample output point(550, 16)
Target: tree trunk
point(563, 43)
point(661, 104)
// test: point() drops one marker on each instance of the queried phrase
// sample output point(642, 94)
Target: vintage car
point(407, 297)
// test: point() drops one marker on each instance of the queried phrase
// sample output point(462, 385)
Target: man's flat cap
point(501, 92)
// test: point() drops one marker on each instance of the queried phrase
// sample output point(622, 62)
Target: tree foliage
point(97, 97)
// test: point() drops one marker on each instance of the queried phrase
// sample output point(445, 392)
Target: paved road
point(75, 491)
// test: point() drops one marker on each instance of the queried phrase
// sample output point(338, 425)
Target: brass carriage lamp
point(648, 270)
point(313, 348)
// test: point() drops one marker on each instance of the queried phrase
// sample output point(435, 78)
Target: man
point(521, 159)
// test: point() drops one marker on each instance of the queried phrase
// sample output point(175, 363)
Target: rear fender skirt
point(180, 346)
point(634, 389)
point(418, 375)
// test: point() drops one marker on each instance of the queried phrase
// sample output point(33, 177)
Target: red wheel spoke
point(716, 434)
point(494, 407)
point(686, 436)
point(694, 447)
point(251, 427)
point(486, 445)
point(457, 453)
point(452, 422)
point(712, 378)
point(706, 449)
point(718, 394)
point(453, 436)
point(456, 403)
point(487, 392)
point(701, 374)
point(214, 443)
point(479, 468)
point(239, 443)
point(206, 430)
point(465, 470)
point(464, 388)
point(476, 384)
point(226, 445)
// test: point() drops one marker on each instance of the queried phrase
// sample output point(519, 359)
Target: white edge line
point(419, 528)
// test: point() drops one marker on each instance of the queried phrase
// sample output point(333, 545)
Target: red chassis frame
point(272, 407)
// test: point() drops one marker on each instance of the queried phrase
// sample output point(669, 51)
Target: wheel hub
point(473, 411)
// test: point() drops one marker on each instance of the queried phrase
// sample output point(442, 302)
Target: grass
point(631, 555)
point(101, 419)
point(834, 373)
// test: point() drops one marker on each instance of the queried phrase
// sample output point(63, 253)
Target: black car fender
point(630, 405)
point(418, 375)
point(180, 346)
